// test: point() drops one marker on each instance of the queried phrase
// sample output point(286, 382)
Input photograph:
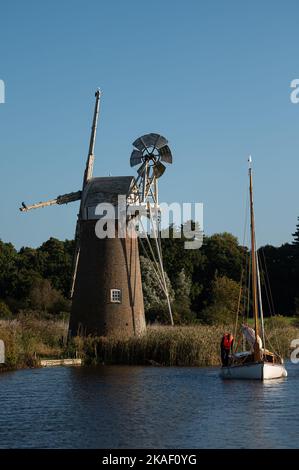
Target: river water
point(146, 407)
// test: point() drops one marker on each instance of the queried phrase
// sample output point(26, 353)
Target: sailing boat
point(258, 363)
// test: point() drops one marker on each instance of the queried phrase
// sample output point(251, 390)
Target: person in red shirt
point(226, 348)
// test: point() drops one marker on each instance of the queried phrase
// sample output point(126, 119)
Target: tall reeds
point(171, 346)
point(29, 339)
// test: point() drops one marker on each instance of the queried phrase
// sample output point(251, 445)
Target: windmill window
point(115, 296)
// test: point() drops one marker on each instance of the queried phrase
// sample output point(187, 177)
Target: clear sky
point(212, 76)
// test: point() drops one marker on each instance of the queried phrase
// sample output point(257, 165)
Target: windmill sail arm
point(90, 158)
point(69, 197)
point(63, 199)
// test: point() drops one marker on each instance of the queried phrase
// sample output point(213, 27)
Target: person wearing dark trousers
point(226, 348)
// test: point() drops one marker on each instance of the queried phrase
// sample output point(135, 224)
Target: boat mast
point(253, 267)
point(260, 300)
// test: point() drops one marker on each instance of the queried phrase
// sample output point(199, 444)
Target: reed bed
point(172, 346)
point(29, 339)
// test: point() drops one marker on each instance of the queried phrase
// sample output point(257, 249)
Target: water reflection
point(146, 407)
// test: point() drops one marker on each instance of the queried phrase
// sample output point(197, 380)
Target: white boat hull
point(255, 371)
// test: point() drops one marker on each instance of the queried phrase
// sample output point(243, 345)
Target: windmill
point(106, 288)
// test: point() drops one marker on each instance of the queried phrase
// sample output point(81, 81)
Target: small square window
point(115, 296)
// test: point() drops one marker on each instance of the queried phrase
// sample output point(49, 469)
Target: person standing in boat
point(226, 348)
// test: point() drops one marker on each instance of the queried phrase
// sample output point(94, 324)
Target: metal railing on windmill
point(149, 152)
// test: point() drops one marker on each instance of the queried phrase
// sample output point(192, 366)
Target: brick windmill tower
point(106, 286)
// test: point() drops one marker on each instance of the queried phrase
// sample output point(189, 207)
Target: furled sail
point(249, 334)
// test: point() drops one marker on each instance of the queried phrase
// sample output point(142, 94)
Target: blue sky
point(213, 77)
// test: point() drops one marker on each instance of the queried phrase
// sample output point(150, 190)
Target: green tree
point(182, 287)
point(43, 297)
point(5, 312)
point(155, 302)
point(177, 259)
point(225, 257)
point(223, 304)
point(182, 303)
point(221, 255)
point(280, 266)
point(296, 235)
point(57, 263)
point(8, 269)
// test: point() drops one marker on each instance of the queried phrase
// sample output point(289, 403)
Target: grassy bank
point(173, 346)
point(28, 339)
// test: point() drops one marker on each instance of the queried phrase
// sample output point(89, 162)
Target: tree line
point(204, 284)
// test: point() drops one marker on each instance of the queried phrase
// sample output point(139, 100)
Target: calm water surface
point(146, 407)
